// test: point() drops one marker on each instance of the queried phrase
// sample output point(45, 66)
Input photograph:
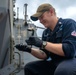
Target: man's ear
point(52, 11)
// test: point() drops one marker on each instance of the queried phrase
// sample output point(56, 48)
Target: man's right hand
point(21, 47)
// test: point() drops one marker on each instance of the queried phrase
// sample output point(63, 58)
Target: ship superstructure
point(14, 30)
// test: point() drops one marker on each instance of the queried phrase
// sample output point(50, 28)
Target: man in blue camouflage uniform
point(58, 43)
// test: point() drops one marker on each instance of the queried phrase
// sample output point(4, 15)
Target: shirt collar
point(59, 23)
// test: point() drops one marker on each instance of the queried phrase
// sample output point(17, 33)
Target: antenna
point(25, 15)
point(17, 13)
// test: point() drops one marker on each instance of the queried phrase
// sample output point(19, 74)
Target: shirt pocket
point(59, 36)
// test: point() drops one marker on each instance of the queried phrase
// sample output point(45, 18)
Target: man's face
point(46, 19)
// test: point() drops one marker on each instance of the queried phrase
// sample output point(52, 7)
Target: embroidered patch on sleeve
point(73, 33)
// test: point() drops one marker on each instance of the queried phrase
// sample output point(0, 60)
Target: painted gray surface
point(5, 34)
point(4, 37)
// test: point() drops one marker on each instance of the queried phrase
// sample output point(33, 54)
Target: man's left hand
point(34, 41)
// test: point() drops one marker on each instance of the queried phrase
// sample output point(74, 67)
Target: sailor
point(58, 43)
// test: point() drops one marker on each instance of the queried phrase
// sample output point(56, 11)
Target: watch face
point(44, 43)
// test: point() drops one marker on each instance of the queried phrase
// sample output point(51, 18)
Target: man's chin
point(46, 26)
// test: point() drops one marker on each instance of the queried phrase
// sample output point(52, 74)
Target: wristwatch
point(44, 44)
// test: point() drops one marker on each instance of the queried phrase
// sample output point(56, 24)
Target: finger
point(30, 38)
point(26, 41)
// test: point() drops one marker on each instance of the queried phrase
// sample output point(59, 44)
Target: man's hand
point(34, 41)
point(23, 48)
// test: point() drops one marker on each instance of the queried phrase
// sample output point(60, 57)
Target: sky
point(64, 9)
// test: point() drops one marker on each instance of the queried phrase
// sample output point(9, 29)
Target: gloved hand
point(21, 47)
point(34, 41)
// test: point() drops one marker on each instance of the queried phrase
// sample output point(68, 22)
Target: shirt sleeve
point(69, 39)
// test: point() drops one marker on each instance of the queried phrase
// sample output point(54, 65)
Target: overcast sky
point(64, 8)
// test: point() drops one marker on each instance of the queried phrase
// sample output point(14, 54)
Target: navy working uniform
point(65, 33)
